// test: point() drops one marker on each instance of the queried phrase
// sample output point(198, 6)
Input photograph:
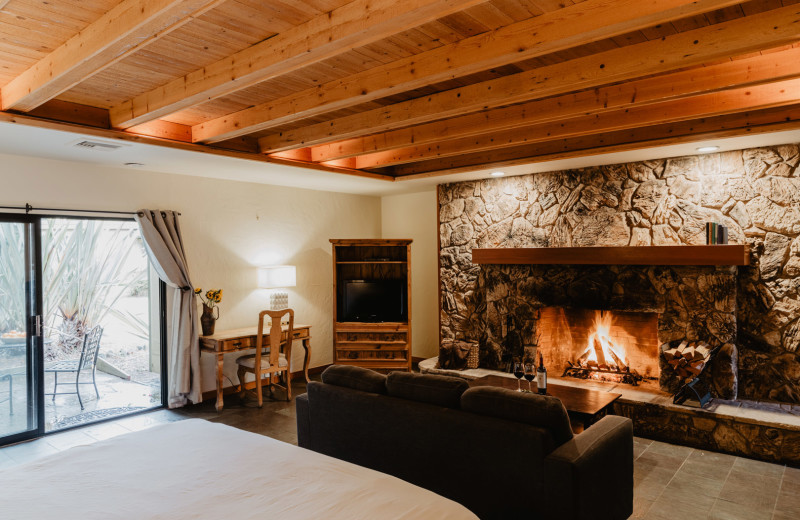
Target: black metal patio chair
point(87, 362)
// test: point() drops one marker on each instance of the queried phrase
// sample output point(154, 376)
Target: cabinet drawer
point(238, 344)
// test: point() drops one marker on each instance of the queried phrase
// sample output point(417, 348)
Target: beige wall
point(414, 216)
point(229, 228)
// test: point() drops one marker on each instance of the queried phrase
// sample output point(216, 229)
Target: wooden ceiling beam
point(69, 112)
point(576, 25)
point(702, 130)
point(728, 75)
point(125, 29)
point(782, 93)
point(353, 25)
point(762, 31)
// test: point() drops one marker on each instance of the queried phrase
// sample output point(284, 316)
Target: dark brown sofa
point(500, 453)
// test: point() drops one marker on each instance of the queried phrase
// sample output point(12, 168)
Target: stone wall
point(756, 193)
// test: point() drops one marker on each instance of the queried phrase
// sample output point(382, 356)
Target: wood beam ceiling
point(353, 25)
point(435, 86)
point(573, 26)
point(733, 125)
point(722, 76)
point(123, 30)
point(770, 95)
point(769, 29)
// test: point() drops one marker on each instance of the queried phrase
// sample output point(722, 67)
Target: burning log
point(688, 359)
point(598, 352)
point(617, 360)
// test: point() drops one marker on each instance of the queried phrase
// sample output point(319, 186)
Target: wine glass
point(530, 373)
point(519, 371)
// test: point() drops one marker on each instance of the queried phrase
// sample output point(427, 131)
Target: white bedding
point(195, 469)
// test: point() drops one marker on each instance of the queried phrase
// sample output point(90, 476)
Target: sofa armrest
point(591, 476)
point(303, 421)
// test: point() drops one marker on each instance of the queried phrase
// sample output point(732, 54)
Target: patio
point(117, 397)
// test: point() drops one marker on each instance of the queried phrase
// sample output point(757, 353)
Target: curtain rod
point(27, 208)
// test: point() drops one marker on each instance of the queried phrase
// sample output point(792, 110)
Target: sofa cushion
point(537, 410)
point(357, 378)
point(437, 390)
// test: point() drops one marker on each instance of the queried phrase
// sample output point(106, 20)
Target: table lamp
point(277, 277)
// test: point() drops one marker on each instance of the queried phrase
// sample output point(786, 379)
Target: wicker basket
point(472, 359)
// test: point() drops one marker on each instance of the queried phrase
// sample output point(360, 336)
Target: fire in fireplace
point(613, 346)
point(603, 359)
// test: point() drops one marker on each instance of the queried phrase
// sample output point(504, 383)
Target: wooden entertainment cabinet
point(367, 341)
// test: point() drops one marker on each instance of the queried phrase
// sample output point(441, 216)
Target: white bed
point(195, 469)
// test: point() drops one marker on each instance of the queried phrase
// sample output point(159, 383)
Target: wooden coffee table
point(585, 407)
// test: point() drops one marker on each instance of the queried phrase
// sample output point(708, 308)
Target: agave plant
point(85, 273)
point(12, 277)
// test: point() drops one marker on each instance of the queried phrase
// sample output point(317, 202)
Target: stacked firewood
point(689, 358)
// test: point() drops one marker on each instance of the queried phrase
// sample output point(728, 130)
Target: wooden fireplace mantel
point(728, 254)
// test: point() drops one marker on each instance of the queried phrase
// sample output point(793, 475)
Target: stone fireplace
point(752, 313)
point(553, 309)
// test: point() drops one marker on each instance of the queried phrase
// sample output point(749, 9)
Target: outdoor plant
point(85, 272)
point(12, 278)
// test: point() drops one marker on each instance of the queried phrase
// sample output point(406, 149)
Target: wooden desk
point(236, 340)
point(584, 406)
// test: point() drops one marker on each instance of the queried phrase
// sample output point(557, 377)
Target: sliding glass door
point(80, 324)
point(102, 348)
point(21, 414)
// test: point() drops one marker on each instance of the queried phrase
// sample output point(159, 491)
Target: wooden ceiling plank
point(355, 24)
point(782, 93)
point(591, 21)
point(691, 48)
point(759, 122)
point(727, 75)
point(126, 28)
point(29, 30)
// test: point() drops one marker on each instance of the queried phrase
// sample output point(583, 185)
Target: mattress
point(195, 469)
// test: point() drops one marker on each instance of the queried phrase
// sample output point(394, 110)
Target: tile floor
point(676, 482)
point(670, 482)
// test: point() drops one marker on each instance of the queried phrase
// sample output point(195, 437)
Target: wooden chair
point(272, 361)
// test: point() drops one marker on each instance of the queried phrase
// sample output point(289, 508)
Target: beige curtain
point(164, 244)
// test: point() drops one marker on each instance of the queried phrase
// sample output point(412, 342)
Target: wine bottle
point(541, 376)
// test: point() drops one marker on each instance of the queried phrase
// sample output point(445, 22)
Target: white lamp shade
point(277, 277)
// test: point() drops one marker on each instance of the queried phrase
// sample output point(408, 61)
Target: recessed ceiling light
point(706, 149)
point(498, 174)
point(134, 164)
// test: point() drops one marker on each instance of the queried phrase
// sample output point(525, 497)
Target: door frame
point(35, 343)
point(34, 350)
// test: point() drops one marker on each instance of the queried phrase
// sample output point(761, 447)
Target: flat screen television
point(374, 301)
